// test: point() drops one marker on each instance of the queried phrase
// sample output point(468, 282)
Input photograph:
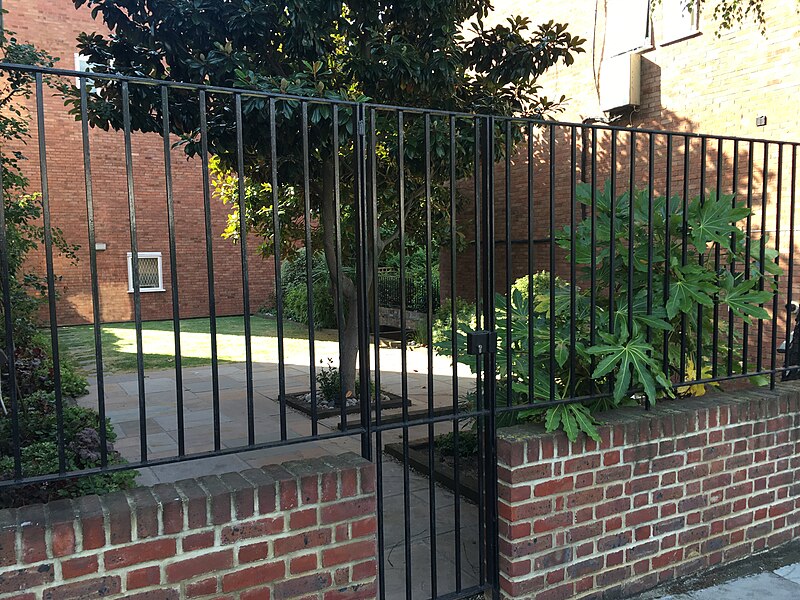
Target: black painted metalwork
point(422, 183)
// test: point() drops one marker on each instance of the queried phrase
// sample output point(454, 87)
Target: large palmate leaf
point(631, 362)
point(572, 418)
point(744, 300)
point(713, 220)
point(692, 285)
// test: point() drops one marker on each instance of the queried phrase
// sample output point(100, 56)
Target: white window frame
point(646, 42)
point(157, 255)
point(83, 64)
point(677, 23)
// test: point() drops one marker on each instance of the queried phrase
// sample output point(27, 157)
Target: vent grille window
point(151, 276)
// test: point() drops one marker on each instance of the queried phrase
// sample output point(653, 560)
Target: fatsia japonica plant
point(689, 260)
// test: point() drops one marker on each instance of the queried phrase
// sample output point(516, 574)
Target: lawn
point(119, 343)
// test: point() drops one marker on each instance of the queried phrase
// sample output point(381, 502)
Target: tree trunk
point(348, 329)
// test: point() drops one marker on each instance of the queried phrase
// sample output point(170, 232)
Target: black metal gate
point(444, 569)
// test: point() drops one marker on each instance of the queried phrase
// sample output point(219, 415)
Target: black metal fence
point(415, 292)
point(669, 262)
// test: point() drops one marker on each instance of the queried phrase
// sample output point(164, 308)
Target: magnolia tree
point(406, 52)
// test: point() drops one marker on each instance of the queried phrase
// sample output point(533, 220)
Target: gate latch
point(481, 342)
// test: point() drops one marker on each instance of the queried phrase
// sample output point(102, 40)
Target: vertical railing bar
point(778, 198)
point(698, 375)
point(51, 289)
point(137, 294)
point(276, 242)
point(454, 349)
point(312, 369)
point(762, 252)
point(667, 249)
point(552, 249)
point(747, 250)
point(248, 340)
point(401, 186)
point(212, 302)
point(573, 284)
point(480, 173)
point(8, 321)
point(429, 339)
point(631, 228)
point(508, 265)
point(96, 318)
point(790, 272)
point(490, 440)
point(684, 244)
point(531, 266)
point(717, 258)
point(734, 246)
point(372, 204)
point(651, 151)
point(339, 263)
point(362, 232)
point(612, 285)
point(173, 268)
point(593, 255)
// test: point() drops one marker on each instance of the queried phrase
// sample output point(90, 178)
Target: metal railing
point(609, 270)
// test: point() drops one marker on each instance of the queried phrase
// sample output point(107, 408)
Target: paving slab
point(774, 574)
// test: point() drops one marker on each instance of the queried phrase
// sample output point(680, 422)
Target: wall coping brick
point(666, 493)
point(200, 537)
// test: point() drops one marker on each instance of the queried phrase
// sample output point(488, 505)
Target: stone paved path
point(774, 575)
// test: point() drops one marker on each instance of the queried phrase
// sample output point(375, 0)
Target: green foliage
point(295, 290)
point(406, 52)
point(467, 444)
point(329, 382)
point(443, 317)
point(23, 210)
point(38, 431)
point(627, 361)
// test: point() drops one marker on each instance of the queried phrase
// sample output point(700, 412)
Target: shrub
point(38, 435)
point(467, 444)
point(295, 290)
point(628, 359)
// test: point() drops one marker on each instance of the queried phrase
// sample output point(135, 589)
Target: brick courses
point(214, 537)
point(665, 494)
point(54, 26)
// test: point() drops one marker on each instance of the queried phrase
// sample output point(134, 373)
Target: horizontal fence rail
point(609, 265)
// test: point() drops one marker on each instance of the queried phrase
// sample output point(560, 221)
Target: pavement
point(774, 575)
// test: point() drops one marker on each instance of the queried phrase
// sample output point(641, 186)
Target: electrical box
point(621, 82)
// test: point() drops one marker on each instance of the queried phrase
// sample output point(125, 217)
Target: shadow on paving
point(774, 575)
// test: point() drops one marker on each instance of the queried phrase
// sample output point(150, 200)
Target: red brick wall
point(305, 529)
point(665, 494)
point(705, 84)
point(54, 26)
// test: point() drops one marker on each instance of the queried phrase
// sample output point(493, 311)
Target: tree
point(728, 13)
point(407, 52)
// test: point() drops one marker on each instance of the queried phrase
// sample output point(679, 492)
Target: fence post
point(360, 193)
point(486, 263)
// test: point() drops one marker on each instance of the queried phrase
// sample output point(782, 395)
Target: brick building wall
point(305, 529)
point(54, 26)
point(665, 494)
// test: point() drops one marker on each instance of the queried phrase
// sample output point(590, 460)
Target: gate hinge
point(481, 342)
point(362, 127)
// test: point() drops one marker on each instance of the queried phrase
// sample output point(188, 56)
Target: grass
point(158, 343)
